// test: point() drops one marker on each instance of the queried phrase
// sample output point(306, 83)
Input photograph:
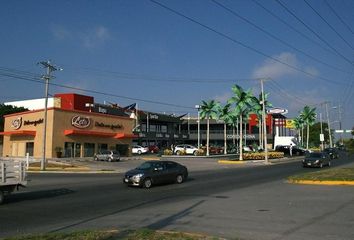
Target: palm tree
point(243, 102)
point(208, 110)
point(226, 115)
point(298, 124)
point(309, 116)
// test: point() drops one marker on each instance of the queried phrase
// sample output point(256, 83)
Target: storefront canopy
point(19, 133)
point(98, 134)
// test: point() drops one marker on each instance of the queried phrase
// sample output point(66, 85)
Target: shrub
point(167, 152)
point(261, 155)
point(181, 152)
point(200, 152)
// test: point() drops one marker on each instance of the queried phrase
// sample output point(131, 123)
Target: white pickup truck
point(12, 176)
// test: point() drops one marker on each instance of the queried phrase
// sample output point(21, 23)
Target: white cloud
point(223, 98)
point(97, 36)
point(87, 38)
point(273, 69)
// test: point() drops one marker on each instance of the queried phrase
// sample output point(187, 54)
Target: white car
point(139, 149)
point(185, 147)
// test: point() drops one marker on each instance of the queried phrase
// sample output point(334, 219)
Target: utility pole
point(321, 135)
point(49, 69)
point(329, 126)
point(264, 125)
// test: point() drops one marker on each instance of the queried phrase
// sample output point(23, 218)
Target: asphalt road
point(246, 201)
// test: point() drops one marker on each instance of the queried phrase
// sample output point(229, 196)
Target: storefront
point(70, 133)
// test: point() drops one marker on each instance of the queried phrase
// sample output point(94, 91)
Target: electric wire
point(234, 13)
point(339, 17)
point(328, 24)
point(314, 32)
point(293, 28)
point(243, 44)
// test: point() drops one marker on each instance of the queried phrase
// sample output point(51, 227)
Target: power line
point(339, 17)
point(328, 24)
point(234, 13)
point(97, 92)
point(242, 44)
point(311, 30)
point(293, 28)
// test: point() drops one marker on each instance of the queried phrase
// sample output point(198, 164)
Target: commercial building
point(73, 129)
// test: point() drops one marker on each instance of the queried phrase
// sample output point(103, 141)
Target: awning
point(125, 135)
point(88, 133)
point(19, 133)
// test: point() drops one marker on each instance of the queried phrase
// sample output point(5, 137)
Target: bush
point(261, 155)
point(181, 152)
point(200, 152)
point(167, 152)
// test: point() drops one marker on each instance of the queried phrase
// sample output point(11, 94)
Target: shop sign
point(111, 126)
point(246, 136)
point(154, 116)
point(80, 122)
point(34, 123)
point(159, 135)
point(277, 110)
point(17, 123)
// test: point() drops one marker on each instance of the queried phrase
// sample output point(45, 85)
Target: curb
point(231, 162)
point(329, 183)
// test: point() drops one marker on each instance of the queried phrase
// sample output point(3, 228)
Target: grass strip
point(140, 234)
point(333, 174)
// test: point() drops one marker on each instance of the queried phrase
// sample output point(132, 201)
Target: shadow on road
point(28, 196)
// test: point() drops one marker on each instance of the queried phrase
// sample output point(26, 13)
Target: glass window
point(164, 128)
point(152, 128)
point(89, 149)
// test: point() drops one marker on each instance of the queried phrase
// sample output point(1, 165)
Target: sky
point(169, 55)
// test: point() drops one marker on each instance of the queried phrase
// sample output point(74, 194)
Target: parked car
point(316, 159)
point(154, 149)
point(332, 152)
point(139, 149)
point(286, 150)
point(185, 147)
point(107, 155)
point(156, 172)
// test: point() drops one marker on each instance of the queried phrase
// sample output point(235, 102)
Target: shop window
point(69, 149)
point(164, 128)
point(89, 149)
point(152, 128)
point(29, 148)
point(123, 149)
point(102, 147)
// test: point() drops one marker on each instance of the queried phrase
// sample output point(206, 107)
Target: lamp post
point(340, 121)
point(264, 125)
point(198, 108)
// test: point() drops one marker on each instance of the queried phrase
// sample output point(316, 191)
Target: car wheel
point(96, 158)
point(109, 159)
point(139, 152)
point(321, 165)
point(178, 152)
point(195, 153)
point(179, 179)
point(147, 183)
point(329, 163)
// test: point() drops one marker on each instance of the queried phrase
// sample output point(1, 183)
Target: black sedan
point(317, 159)
point(332, 152)
point(296, 151)
point(156, 172)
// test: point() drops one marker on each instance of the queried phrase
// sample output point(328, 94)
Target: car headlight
point(317, 161)
point(138, 176)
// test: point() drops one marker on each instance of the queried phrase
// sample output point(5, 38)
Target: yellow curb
point(351, 183)
point(150, 158)
point(230, 162)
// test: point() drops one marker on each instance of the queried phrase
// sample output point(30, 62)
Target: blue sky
point(130, 50)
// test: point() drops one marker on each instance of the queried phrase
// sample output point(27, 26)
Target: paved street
point(251, 201)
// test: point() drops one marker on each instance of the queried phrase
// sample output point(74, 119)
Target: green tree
point(208, 110)
point(299, 125)
point(309, 116)
point(8, 109)
point(243, 101)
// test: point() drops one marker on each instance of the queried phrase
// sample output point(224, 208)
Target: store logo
point(17, 123)
point(80, 122)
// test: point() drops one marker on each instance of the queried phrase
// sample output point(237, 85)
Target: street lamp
point(340, 121)
point(198, 108)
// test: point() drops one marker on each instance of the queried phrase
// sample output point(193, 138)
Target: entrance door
point(29, 148)
point(77, 150)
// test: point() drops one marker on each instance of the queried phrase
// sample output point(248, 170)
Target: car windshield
point(145, 166)
point(315, 155)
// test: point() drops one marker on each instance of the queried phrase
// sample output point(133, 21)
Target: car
point(107, 155)
point(316, 159)
point(139, 149)
point(332, 152)
point(156, 172)
point(154, 149)
point(297, 151)
point(189, 149)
